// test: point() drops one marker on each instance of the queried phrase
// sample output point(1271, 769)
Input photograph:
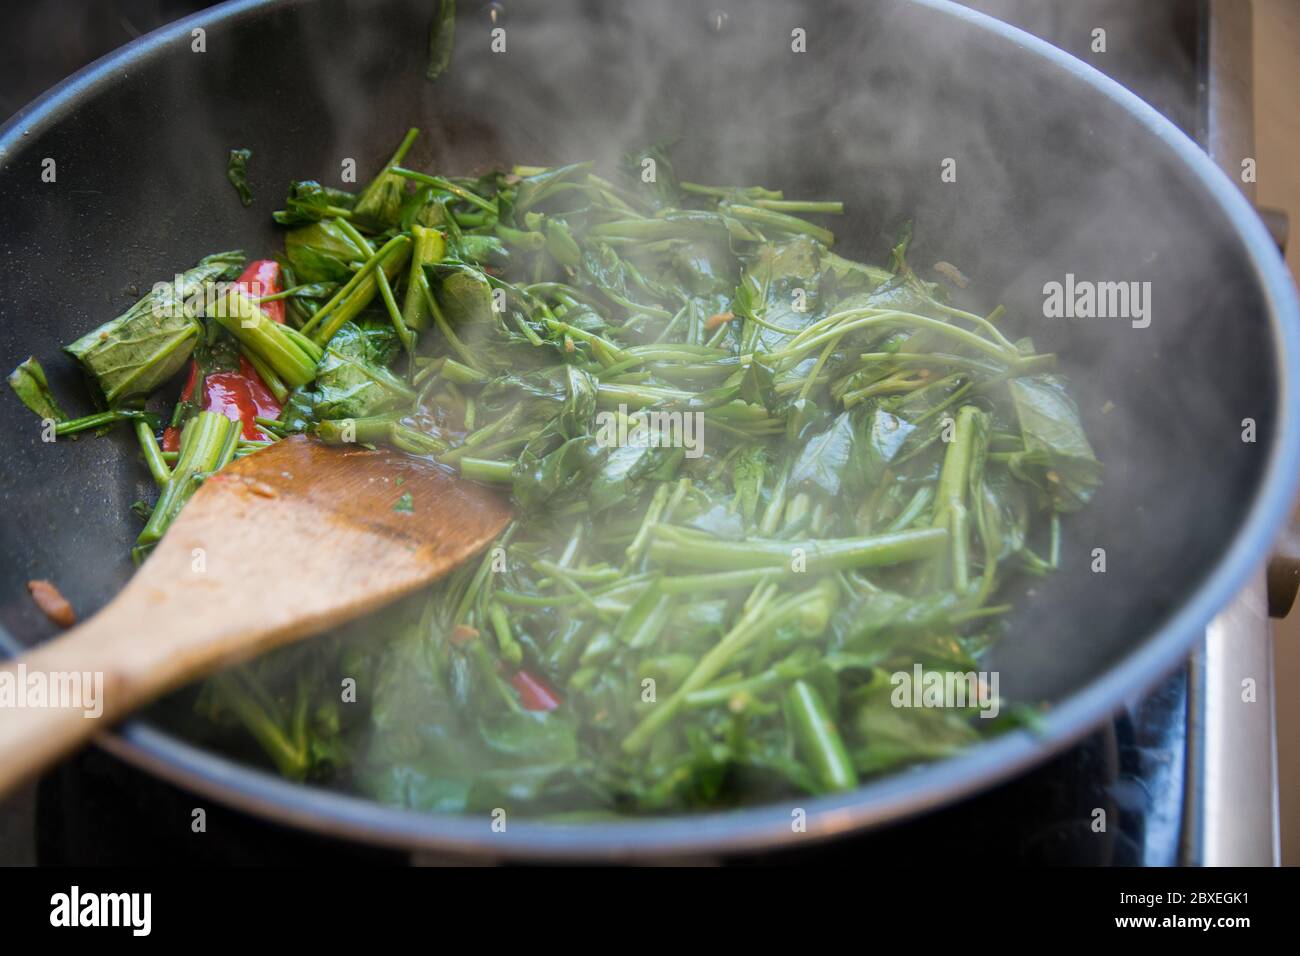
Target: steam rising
point(1051, 179)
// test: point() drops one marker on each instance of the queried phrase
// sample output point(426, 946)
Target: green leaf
point(756, 384)
point(884, 623)
point(1002, 513)
point(484, 251)
point(663, 191)
point(531, 737)
point(28, 383)
point(538, 481)
point(237, 173)
point(624, 470)
point(352, 379)
point(309, 201)
point(747, 474)
point(379, 206)
point(769, 284)
point(558, 394)
point(706, 268)
point(880, 437)
point(463, 292)
point(145, 346)
point(825, 457)
point(322, 252)
point(532, 190)
point(442, 36)
point(1058, 459)
point(895, 736)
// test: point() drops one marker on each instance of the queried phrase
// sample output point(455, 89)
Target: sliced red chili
point(239, 395)
point(262, 278)
point(534, 693)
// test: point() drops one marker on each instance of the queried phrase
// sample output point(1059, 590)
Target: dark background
point(45, 40)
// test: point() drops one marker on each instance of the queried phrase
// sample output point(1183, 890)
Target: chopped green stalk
point(523, 239)
point(819, 741)
point(453, 371)
point(718, 581)
point(561, 246)
point(428, 247)
point(726, 192)
point(506, 644)
point(271, 425)
point(791, 205)
point(368, 430)
point(207, 443)
point(404, 335)
point(483, 469)
point(290, 355)
point(289, 758)
point(684, 225)
point(267, 374)
point(853, 320)
point(446, 185)
point(950, 511)
point(772, 219)
point(72, 426)
point(358, 291)
point(685, 548)
point(153, 455)
point(758, 619)
point(415, 442)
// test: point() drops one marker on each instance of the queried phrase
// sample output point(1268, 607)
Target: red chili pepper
point(262, 278)
point(242, 395)
point(534, 693)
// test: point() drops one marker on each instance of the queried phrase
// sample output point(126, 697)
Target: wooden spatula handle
point(76, 686)
point(169, 626)
point(338, 533)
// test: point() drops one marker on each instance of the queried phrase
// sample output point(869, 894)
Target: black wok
point(1059, 171)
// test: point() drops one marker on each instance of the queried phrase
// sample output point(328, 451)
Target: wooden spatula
point(277, 546)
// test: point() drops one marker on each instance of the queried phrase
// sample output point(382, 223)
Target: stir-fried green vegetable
point(237, 173)
point(141, 349)
point(754, 480)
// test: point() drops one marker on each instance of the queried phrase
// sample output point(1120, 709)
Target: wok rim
point(895, 797)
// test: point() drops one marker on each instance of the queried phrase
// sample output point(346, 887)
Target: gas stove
point(1185, 775)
